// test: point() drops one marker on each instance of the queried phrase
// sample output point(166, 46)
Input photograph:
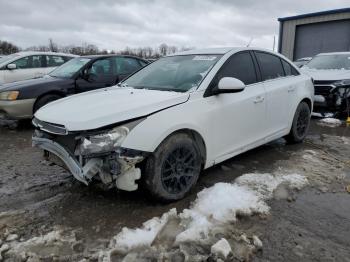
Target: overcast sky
point(115, 24)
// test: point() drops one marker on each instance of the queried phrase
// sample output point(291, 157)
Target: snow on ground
point(214, 207)
point(328, 114)
point(130, 238)
point(334, 122)
point(30, 250)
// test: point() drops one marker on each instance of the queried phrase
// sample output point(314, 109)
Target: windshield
point(173, 73)
point(68, 69)
point(339, 61)
point(7, 58)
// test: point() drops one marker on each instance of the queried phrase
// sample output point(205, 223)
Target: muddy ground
point(313, 224)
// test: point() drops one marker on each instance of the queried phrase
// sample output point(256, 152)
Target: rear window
point(270, 66)
point(288, 69)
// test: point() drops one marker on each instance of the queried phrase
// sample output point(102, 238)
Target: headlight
point(9, 95)
point(105, 142)
point(345, 82)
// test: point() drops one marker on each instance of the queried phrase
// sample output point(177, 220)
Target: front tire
point(173, 169)
point(301, 123)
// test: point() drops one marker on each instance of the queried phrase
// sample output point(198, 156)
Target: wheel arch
point(308, 102)
point(53, 92)
point(197, 137)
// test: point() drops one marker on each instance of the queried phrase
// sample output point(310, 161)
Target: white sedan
point(177, 116)
point(28, 65)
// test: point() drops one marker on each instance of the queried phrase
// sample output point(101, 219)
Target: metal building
point(310, 34)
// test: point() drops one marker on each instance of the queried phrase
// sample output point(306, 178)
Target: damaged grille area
point(50, 127)
point(323, 87)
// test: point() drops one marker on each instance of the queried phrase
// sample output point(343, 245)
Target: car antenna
point(250, 41)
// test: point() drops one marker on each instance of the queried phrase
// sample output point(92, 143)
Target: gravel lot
point(45, 214)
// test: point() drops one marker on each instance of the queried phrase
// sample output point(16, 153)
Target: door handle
point(259, 99)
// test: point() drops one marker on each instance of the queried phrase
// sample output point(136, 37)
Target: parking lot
point(45, 213)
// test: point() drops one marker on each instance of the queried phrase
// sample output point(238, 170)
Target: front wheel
point(301, 123)
point(173, 169)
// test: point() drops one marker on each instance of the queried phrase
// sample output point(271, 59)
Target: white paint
point(13, 75)
point(229, 123)
point(94, 109)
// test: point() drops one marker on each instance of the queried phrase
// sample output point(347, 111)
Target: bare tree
point(7, 48)
point(52, 46)
point(163, 49)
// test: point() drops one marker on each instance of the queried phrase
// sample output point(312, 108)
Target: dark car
point(20, 100)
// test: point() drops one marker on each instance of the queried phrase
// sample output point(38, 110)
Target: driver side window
point(101, 68)
point(27, 62)
point(240, 66)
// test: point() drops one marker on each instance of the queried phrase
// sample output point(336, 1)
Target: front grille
point(323, 90)
point(50, 127)
point(323, 87)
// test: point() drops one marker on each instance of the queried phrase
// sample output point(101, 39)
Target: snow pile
point(214, 207)
point(42, 246)
point(221, 203)
point(330, 121)
point(221, 248)
point(131, 238)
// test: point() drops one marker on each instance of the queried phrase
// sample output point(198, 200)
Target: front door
point(99, 74)
point(238, 119)
point(26, 68)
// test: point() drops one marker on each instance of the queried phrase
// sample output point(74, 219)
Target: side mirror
point(230, 85)
point(11, 66)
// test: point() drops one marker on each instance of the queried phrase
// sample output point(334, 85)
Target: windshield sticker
point(204, 58)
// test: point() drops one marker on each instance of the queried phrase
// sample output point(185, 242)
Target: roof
point(206, 51)
point(221, 51)
point(43, 53)
point(111, 55)
point(328, 12)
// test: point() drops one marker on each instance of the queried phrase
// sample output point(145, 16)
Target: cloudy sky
point(115, 24)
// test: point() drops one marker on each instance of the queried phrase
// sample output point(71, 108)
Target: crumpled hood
point(330, 75)
point(107, 106)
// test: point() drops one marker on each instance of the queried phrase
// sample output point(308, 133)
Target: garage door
point(316, 38)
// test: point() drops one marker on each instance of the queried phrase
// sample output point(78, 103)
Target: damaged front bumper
point(123, 174)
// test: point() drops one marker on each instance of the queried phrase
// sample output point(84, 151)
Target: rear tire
point(44, 101)
point(173, 169)
point(301, 123)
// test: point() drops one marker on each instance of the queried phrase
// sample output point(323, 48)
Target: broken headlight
point(105, 142)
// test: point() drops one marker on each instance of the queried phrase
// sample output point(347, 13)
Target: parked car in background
point(331, 74)
point(302, 61)
point(176, 116)
point(21, 99)
point(28, 65)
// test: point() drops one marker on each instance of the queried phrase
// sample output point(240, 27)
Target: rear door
point(277, 91)
point(99, 74)
point(26, 68)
